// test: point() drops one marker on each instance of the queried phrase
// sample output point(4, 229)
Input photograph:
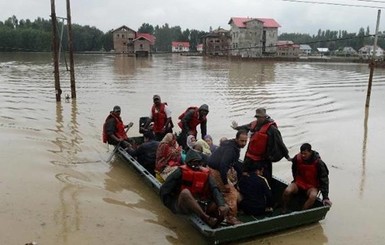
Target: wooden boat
point(252, 226)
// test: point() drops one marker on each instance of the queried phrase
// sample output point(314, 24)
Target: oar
point(117, 146)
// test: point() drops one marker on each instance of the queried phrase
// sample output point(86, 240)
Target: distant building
point(323, 51)
point(128, 41)
point(349, 51)
point(200, 48)
point(253, 37)
point(177, 47)
point(366, 52)
point(287, 49)
point(217, 42)
point(305, 49)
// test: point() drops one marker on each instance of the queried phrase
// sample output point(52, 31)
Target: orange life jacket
point(195, 181)
point(120, 133)
point(195, 120)
point(307, 173)
point(159, 117)
point(257, 147)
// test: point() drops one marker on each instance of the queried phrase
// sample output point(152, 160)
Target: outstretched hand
point(129, 125)
point(234, 124)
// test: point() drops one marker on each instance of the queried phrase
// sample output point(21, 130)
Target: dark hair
point(149, 135)
point(305, 147)
point(239, 132)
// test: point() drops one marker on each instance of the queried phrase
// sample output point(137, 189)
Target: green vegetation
point(35, 36)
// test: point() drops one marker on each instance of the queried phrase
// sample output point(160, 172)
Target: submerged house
point(128, 41)
point(217, 42)
point(177, 47)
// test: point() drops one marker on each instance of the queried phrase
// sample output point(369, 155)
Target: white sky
point(295, 17)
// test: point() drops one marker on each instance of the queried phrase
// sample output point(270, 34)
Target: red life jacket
point(258, 142)
point(195, 120)
point(195, 181)
point(159, 117)
point(307, 173)
point(120, 133)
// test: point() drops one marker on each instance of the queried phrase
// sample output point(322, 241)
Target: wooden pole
point(55, 50)
point(71, 51)
point(373, 61)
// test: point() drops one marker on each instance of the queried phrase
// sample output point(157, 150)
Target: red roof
point(147, 36)
point(267, 23)
point(183, 44)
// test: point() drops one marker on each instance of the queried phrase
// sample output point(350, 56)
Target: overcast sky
point(297, 16)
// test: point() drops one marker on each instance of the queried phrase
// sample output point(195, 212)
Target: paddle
point(117, 145)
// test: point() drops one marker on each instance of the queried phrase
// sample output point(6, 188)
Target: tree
point(146, 28)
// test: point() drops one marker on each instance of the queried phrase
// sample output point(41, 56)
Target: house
point(287, 48)
point(177, 47)
point(199, 48)
point(366, 52)
point(130, 42)
point(217, 42)
point(305, 49)
point(253, 37)
point(323, 51)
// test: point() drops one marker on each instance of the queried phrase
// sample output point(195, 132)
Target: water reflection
point(126, 65)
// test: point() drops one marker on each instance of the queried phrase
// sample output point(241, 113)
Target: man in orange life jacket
point(189, 120)
point(265, 145)
point(113, 129)
point(161, 116)
point(190, 189)
point(311, 175)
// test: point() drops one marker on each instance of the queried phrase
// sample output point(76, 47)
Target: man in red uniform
point(113, 129)
point(189, 120)
point(265, 145)
point(190, 189)
point(311, 175)
point(161, 117)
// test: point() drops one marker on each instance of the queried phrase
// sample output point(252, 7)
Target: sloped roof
point(123, 27)
point(267, 22)
point(147, 36)
point(183, 44)
point(305, 47)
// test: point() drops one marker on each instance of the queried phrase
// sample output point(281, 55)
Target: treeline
point(27, 35)
point(35, 36)
point(335, 40)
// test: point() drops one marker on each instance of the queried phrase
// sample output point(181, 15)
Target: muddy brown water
point(56, 187)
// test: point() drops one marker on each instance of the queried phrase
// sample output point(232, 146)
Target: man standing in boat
point(113, 129)
point(161, 117)
point(311, 175)
point(190, 189)
point(189, 120)
point(266, 144)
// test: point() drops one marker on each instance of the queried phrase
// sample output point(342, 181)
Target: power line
point(337, 4)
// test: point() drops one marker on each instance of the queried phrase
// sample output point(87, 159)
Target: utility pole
point(372, 63)
point(55, 50)
point(71, 51)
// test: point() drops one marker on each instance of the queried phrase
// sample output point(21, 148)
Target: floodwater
point(56, 187)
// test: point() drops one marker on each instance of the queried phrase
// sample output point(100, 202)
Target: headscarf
point(205, 146)
point(168, 153)
point(190, 143)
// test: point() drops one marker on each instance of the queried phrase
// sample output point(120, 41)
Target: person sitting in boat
point(113, 129)
point(256, 196)
point(161, 117)
point(199, 147)
point(146, 152)
point(168, 156)
point(190, 189)
point(266, 144)
point(189, 120)
point(226, 170)
point(311, 175)
point(209, 141)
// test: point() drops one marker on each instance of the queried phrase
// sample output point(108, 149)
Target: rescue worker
point(190, 189)
point(266, 144)
point(113, 129)
point(161, 118)
point(189, 120)
point(311, 175)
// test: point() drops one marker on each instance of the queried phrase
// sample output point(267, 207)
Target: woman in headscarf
point(168, 156)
